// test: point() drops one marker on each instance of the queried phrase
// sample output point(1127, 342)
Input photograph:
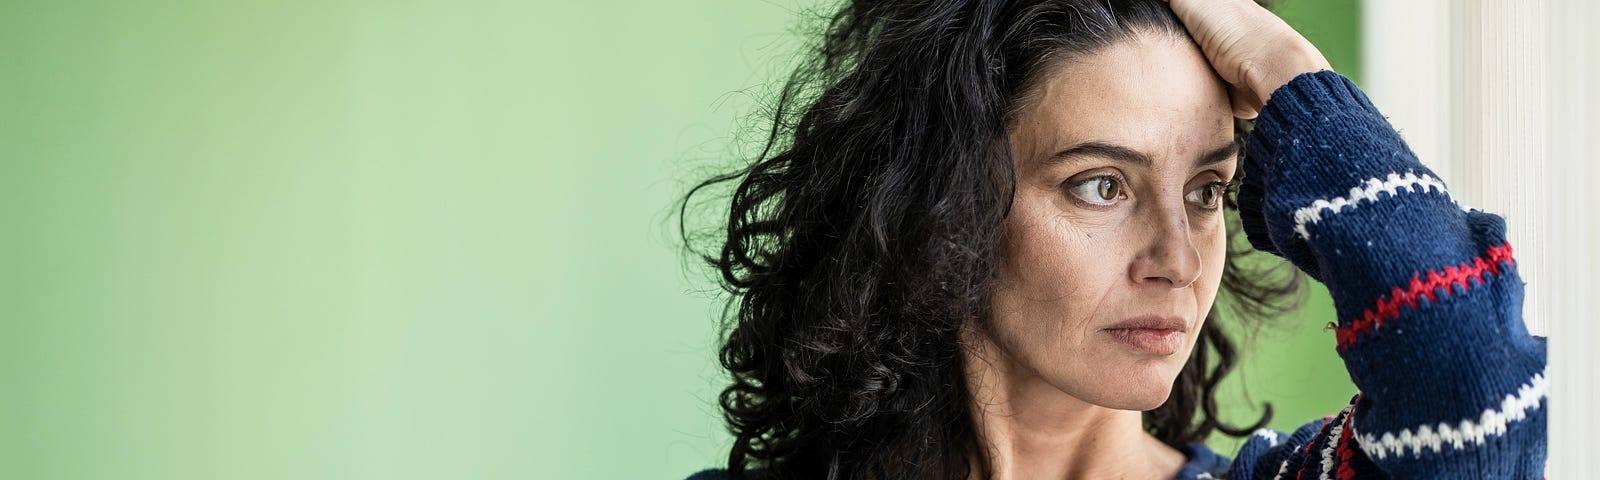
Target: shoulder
point(712, 474)
point(722, 474)
point(1266, 450)
point(1203, 463)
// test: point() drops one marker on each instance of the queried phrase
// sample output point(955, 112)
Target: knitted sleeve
point(1428, 298)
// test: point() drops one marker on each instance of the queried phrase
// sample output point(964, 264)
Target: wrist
point(1267, 76)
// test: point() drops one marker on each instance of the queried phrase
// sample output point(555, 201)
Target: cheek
point(1049, 249)
point(1054, 276)
point(1213, 247)
point(1048, 257)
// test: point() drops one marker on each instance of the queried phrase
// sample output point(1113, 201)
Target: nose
point(1169, 256)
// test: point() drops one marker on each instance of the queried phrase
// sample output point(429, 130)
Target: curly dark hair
point(863, 237)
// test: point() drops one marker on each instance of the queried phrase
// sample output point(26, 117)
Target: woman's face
point(1117, 218)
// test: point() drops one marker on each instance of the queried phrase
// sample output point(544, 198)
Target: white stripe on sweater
point(1269, 434)
point(1333, 442)
point(1283, 467)
point(1366, 192)
point(1493, 422)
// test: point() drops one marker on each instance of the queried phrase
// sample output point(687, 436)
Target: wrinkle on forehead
point(1165, 102)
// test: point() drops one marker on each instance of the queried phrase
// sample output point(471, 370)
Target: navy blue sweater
point(1428, 298)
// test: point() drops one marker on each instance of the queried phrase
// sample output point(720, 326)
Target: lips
point(1158, 336)
point(1152, 323)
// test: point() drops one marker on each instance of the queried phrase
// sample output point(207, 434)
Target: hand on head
point(1252, 49)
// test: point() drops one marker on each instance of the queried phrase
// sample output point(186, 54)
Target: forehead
point(1154, 93)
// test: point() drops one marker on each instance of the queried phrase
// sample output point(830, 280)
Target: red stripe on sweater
point(1306, 465)
point(1388, 306)
point(1345, 471)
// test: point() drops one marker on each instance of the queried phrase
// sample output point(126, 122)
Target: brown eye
point(1207, 195)
point(1101, 190)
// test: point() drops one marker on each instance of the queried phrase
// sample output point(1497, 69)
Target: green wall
point(1292, 363)
point(385, 240)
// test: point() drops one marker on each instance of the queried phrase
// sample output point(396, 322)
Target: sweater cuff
point(1310, 94)
point(1309, 99)
point(1295, 112)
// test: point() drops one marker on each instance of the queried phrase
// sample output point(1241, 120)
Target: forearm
point(1427, 294)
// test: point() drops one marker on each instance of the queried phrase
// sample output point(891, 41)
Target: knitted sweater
point(1428, 298)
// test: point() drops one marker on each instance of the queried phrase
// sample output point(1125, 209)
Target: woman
point(989, 242)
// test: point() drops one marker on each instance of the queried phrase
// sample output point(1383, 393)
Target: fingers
point(1249, 47)
point(1243, 102)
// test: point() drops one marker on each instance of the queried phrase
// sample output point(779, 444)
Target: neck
point(1030, 429)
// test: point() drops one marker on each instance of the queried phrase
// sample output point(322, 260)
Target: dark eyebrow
point(1128, 155)
point(1219, 155)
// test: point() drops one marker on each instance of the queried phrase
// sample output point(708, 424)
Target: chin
point(1142, 390)
point(1141, 400)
